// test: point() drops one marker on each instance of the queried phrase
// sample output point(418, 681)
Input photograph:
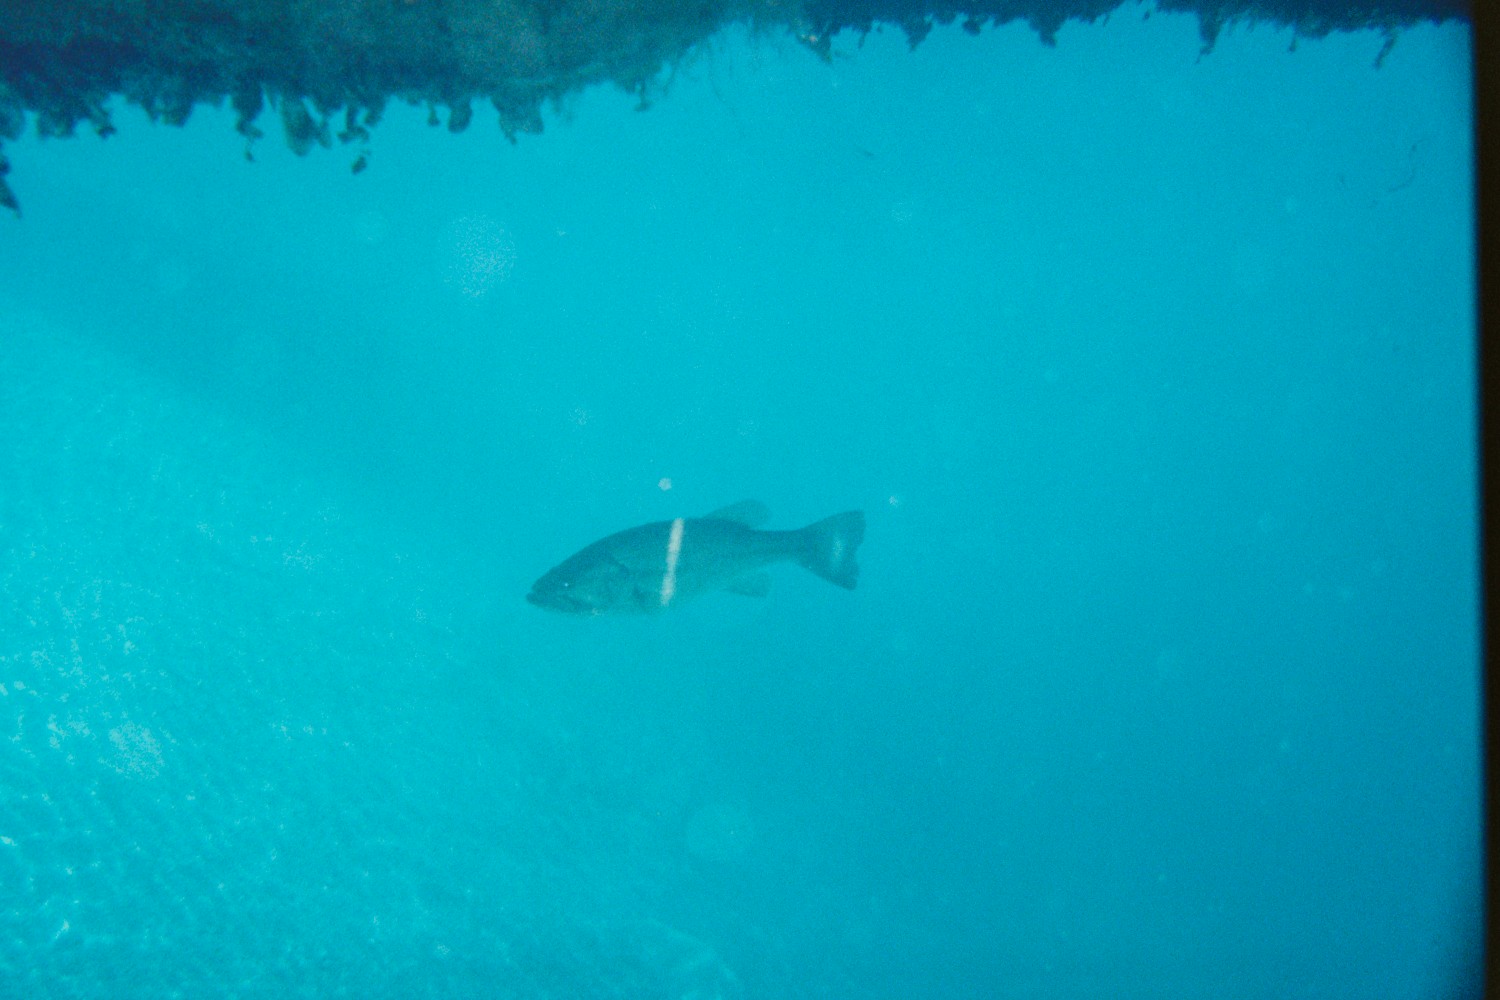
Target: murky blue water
point(1153, 373)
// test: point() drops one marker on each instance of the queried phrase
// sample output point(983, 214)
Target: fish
point(657, 566)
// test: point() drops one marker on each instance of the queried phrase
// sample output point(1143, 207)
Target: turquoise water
point(1153, 373)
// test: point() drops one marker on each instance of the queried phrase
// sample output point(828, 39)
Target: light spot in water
point(477, 255)
point(136, 751)
point(371, 227)
point(719, 832)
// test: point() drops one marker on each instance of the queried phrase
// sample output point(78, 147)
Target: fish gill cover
point(328, 69)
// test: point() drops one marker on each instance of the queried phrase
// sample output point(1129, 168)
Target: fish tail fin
point(831, 547)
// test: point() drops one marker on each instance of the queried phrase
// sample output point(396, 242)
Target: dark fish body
point(660, 565)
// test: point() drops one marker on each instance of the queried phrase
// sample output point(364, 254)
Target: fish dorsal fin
point(750, 513)
point(751, 585)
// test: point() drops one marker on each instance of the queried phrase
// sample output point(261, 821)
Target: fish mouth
point(557, 602)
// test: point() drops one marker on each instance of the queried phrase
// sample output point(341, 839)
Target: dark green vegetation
point(329, 68)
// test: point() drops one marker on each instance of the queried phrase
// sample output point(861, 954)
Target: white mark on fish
point(674, 549)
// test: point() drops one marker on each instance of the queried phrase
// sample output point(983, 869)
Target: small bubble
point(478, 254)
point(371, 227)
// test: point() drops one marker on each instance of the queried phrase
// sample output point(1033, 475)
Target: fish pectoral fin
point(750, 513)
point(751, 585)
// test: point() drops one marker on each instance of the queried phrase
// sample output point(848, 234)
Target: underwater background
point(1153, 372)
